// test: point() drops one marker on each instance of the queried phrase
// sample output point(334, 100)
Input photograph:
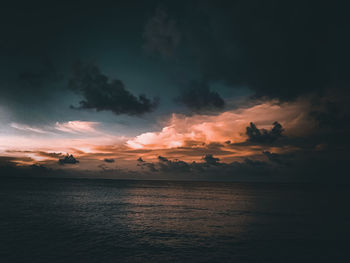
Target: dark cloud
point(166, 165)
point(39, 168)
point(251, 163)
point(198, 96)
point(332, 113)
point(163, 159)
point(150, 166)
point(49, 154)
point(12, 161)
point(161, 34)
point(68, 159)
point(102, 94)
point(279, 49)
point(210, 167)
point(256, 135)
point(273, 157)
point(109, 160)
point(9, 167)
point(24, 171)
point(211, 160)
point(5, 161)
point(35, 55)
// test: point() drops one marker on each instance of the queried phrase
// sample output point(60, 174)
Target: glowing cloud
point(230, 126)
point(77, 127)
point(187, 138)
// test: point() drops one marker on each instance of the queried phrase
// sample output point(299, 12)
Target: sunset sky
point(188, 90)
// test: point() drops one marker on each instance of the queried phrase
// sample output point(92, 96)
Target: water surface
point(80, 220)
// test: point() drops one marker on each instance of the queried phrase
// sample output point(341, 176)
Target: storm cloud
point(262, 135)
point(198, 96)
point(276, 48)
point(161, 34)
point(228, 63)
point(102, 94)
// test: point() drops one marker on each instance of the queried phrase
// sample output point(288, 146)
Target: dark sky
point(131, 68)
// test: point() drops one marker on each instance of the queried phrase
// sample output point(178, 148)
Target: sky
point(178, 90)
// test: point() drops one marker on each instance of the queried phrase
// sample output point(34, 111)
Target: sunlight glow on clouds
point(72, 127)
point(230, 126)
point(23, 127)
point(182, 137)
point(77, 127)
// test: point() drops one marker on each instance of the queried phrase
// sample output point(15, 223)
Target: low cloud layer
point(209, 165)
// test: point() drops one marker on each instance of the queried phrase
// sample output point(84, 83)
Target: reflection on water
point(196, 211)
point(50, 220)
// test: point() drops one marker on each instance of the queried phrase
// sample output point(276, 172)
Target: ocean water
point(81, 220)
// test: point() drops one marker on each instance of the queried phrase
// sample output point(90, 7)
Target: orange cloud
point(186, 138)
point(227, 126)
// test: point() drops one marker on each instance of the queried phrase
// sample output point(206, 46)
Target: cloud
point(199, 129)
point(262, 135)
point(102, 94)
point(29, 128)
point(140, 160)
point(210, 167)
point(211, 160)
point(332, 113)
point(278, 49)
point(73, 127)
point(163, 159)
point(198, 96)
point(166, 165)
point(77, 127)
point(150, 166)
point(275, 158)
point(14, 161)
point(35, 170)
point(68, 159)
point(52, 155)
point(161, 34)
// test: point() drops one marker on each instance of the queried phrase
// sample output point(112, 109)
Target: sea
point(87, 220)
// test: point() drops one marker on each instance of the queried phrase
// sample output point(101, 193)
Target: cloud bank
point(230, 126)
